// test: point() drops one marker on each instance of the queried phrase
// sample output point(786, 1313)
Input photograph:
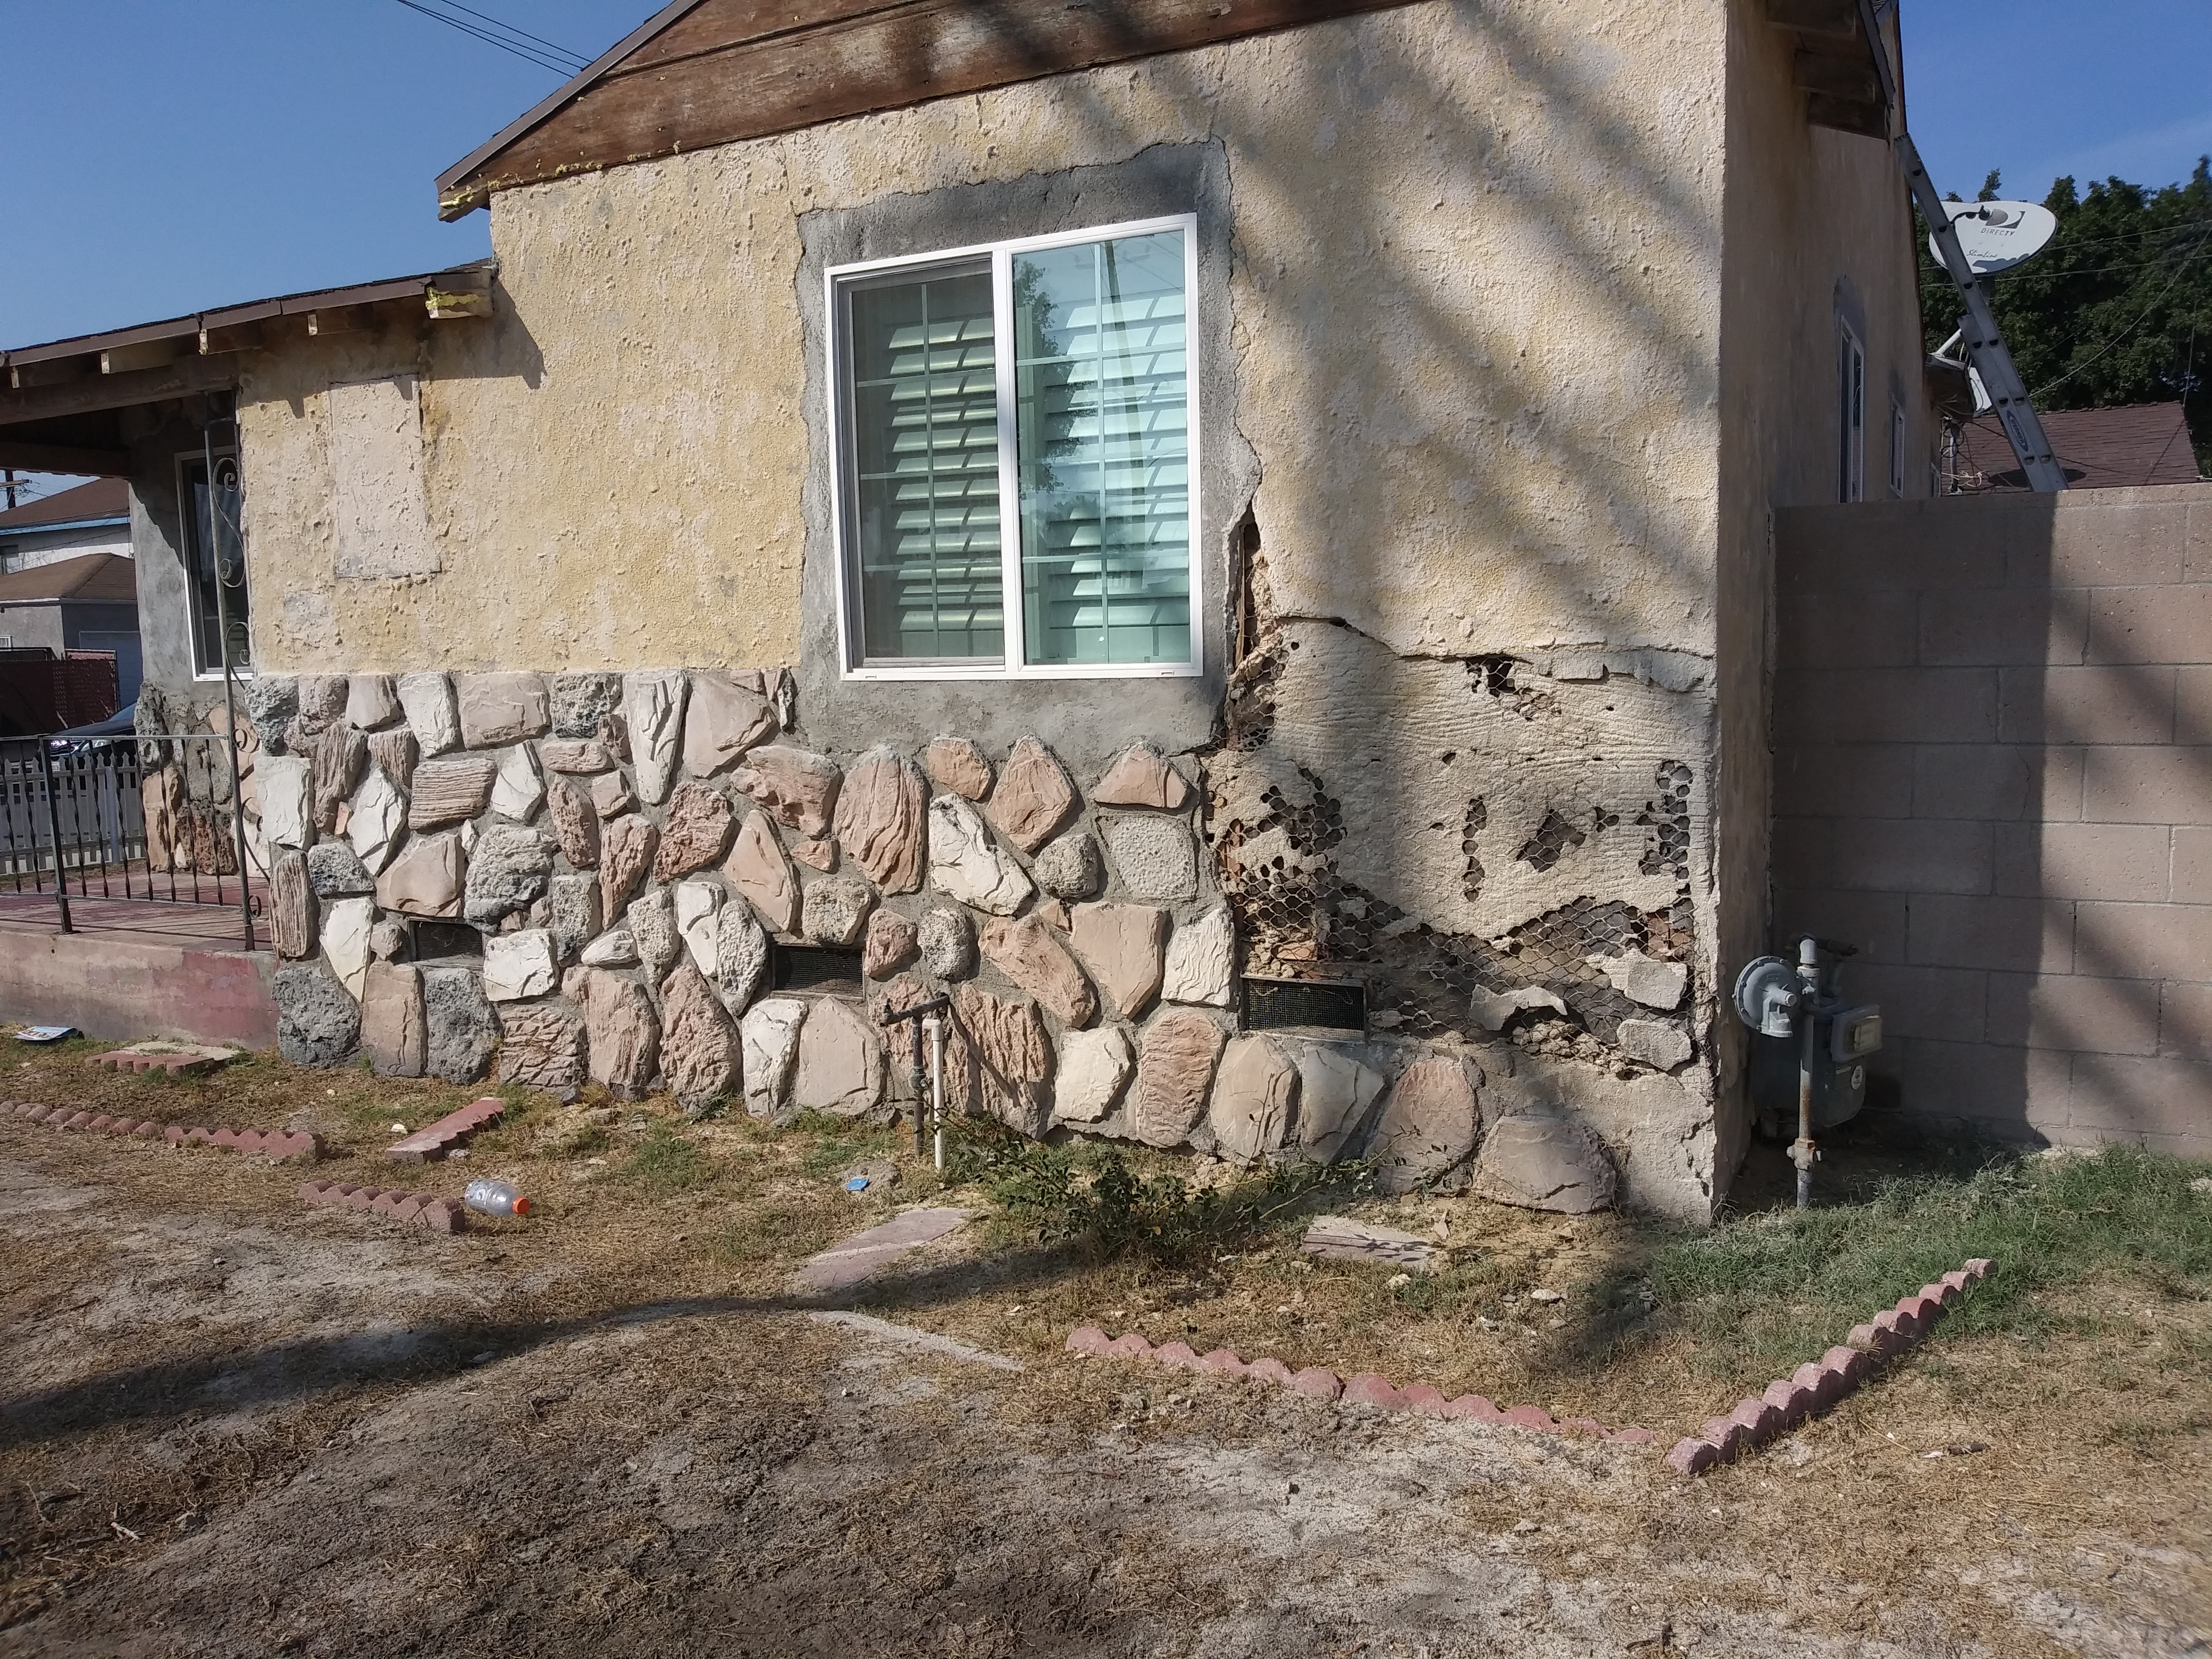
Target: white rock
point(520, 964)
point(1644, 979)
point(696, 902)
point(517, 790)
point(652, 916)
point(286, 782)
point(432, 713)
point(1202, 961)
point(1094, 1068)
point(769, 1035)
point(378, 815)
point(1493, 1009)
point(1654, 1042)
point(616, 948)
point(345, 926)
point(653, 712)
point(967, 864)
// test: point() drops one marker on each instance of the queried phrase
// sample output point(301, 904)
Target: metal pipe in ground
point(934, 1025)
point(54, 829)
point(1801, 1153)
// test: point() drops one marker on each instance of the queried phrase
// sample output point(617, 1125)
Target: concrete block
point(1982, 780)
point(2130, 861)
point(2192, 704)
point(2197, 544)
point(1870, 630)
point(2071, 1012)
point(1912, 855)
point(1886, 705)
point(2013, 1094)
point(1928, 543)
point(1805, 848)
point(2111, 703)
point(1875, 922)
point(1844, 779)
point(2192, 880)
point(2167, 625)
point(2118, 545)
point(2148, 784)
point(1964, 628)
point(2025, 935)
point(2126, 1096)
point(1947, 1003)
point(2184, 1019)
point(2143, 941)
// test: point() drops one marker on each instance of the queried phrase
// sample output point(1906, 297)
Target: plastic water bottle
point(489, 1197)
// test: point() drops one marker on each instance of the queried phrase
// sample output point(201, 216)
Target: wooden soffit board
point(722, 71)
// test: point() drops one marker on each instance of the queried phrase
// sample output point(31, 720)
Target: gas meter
point(1808, 1049)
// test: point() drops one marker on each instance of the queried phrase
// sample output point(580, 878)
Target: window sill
point(1181, 671)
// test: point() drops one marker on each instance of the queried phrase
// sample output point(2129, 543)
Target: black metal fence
point(118, 818)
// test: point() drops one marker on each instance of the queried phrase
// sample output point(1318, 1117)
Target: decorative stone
point(623, 1030)
point(652, 714)
point(1202, 961)
point(695, 830)
point(840, 1068)
point(723, 721)
point(1255, 1107)
point(793, 785)
point(611, 795)
point(339, 754)
point(1093, 1069)
point(317, 1021)
point(880, 818)
point(1540, 1161)
point(889, 947)
point(371, 701)
point(1336, 1090)
point(572, 912)
point(575, 822)
point(625, 855)
point(508, 871)
point(387, 940)
point(1033, 796)
point(1494, 1010)
point(374, 824)
point(581, 705)
point(541, 1046)
point(965, 863)
point(1176, 1058)
point(393, 1035)
point(518, 965)
point(448, 791)
point(392, 752)
point(821, 854)
point(271, 702)
point(947, 938)
point(757, 868)
point(699, 1052)
point(1122, 944)
point(1008, 1058)
point(344, 928)
point(1429, 1127)
point(835, 911)
point(768, 1038)
point(581, 755)
point(322, 702)
point(696, 903)
point(741, 952)
point(284, 783)
point(1070, 866)
point(427, 700)
point(1156, 856)
point(1141, 776)
point(1645, 979)
point(335, 871)
point(499, 709)
point(517, 791)
point(1030, 954)
point(425, 878)
point(958, 765)
point(292, 905)
point(652, 918)
point(458, 1018)
point(616, 948)
point(1654, 1042)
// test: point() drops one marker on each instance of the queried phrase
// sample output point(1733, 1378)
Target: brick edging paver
point(1364, 1388)
point(123, 1059)
point(1817, 1386)
point(282, 1145)
point(439, 1215)
point(456, 1129)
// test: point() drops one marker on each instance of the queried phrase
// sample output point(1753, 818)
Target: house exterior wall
point(1994, 776)
point(30, 627)
point(29, 548)
point(1462, 307)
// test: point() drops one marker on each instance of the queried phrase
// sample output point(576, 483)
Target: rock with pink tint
point(889, 944)
point(1033, 796)
point(879, 820)
point(958, 765)
point(1141, 776)
point(1088, 1339)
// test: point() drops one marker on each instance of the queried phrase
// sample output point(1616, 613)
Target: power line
point(2157, 299)
point(558, 59)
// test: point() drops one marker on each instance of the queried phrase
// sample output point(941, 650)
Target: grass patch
point(667, 1163)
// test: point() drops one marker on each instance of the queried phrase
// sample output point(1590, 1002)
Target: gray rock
point(581, 703)
point(1654, 1042)
point(1654, 983)
point(335, 870)
point(834, 911)
point(271, 701)
point(948, 942)
point(1430, 1126)
point(1540, 1161)
point(462, 1029)
point(1071, 867)
point(318, 1021)
point(573, 913)
point(1155, 855)
point(1494, 1010)
point(652, 918)
point(508, 870)
point(741, 955)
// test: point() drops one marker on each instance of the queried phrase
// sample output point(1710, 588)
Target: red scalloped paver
point(439, 1215)
point(454, 1129)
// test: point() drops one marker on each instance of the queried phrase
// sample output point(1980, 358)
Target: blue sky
point(161, 156)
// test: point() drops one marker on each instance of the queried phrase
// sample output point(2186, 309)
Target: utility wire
point(2157, 299)
point(566, 62)
point(558, 51)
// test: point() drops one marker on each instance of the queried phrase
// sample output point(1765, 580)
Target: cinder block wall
point(1993, 773)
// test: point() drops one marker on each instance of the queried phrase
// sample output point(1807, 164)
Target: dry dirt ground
point(233, 1426)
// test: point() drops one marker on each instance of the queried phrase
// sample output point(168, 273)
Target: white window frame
point(1015, 645)
point(185, 460)
point(1896, 447)
point(1851, 413)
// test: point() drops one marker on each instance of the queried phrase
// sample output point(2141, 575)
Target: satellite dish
point(1998, 235)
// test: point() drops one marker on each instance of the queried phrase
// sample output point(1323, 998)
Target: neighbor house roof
point(91, 578)
point(103, 500)
point(2097, 449)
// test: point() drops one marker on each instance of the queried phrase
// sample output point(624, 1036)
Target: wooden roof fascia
point(855, 58)
point(64, 458)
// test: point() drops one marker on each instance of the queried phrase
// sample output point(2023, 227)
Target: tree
point(2117, 309)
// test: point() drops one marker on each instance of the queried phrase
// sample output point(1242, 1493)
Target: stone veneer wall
point(574, 877)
